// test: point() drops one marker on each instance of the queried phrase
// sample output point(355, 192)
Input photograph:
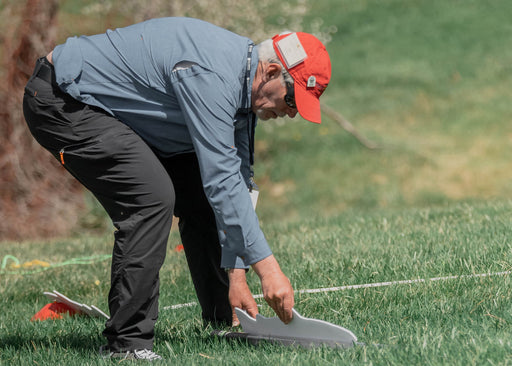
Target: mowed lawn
point(460, 319)
point(429, 81)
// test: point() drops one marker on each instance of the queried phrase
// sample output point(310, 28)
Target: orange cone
point(53, 311)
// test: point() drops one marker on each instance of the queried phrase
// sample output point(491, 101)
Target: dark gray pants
point(140, 192)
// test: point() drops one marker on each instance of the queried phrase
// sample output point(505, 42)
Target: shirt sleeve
point(209, 106)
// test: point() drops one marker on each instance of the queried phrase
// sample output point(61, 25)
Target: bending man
point(157, 119)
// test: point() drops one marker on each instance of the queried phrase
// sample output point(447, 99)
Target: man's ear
point(272, 71)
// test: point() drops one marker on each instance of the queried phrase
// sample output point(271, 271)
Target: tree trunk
point(37, 197)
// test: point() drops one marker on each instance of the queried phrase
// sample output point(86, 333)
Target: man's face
point(268, 94)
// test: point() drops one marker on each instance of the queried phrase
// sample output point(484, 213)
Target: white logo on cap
point(311, 82)
point(292, 51)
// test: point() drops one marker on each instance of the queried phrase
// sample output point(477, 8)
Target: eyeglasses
point(289, 98)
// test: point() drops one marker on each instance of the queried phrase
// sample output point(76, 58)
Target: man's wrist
point(236, 274)
point(266, 266)
point(231, 269)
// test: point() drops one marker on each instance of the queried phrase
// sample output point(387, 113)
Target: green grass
point(429, 81)
point(454, 321)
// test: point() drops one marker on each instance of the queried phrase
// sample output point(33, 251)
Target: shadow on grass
point(64, 340)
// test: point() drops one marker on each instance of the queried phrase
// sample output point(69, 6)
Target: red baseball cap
point(307, 61)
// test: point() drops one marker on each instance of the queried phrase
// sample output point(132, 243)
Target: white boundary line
point(366, 285)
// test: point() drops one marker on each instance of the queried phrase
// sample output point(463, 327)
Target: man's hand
point(277, 289)
point(239, 294)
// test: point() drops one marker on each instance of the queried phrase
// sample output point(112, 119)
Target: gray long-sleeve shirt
point(179, 84)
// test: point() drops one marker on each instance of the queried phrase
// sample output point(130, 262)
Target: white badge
point(254, 197)
point(292, 51)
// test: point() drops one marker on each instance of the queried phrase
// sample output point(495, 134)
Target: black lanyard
point(251, 117)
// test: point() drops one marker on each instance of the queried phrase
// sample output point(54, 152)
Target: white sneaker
point(137, 354)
